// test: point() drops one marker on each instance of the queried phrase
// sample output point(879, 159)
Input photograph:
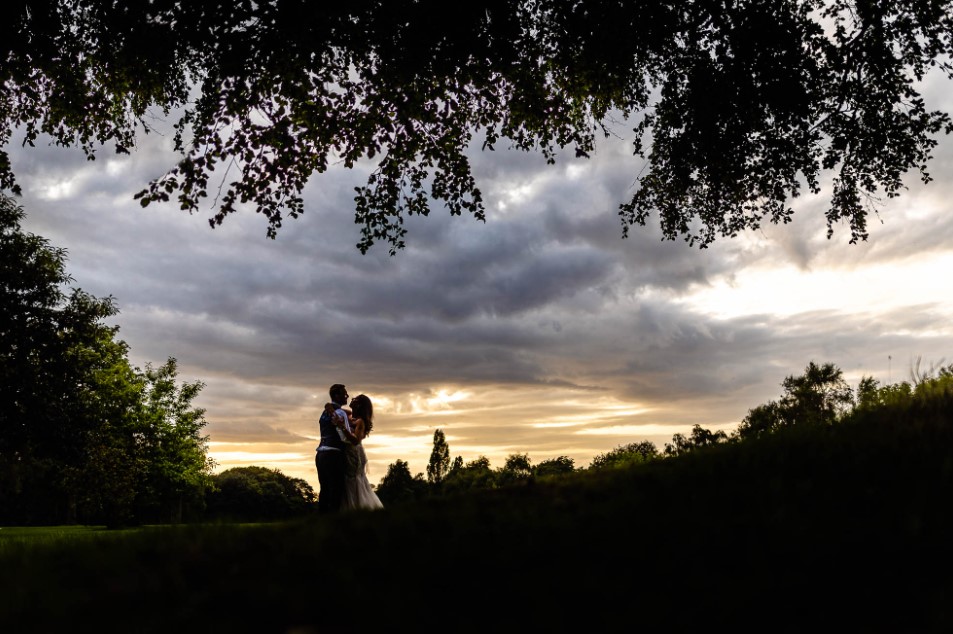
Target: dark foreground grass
point(35, 538)
point(849, 530)
point(11, 536)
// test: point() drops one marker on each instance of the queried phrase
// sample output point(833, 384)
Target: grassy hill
point(836, 528)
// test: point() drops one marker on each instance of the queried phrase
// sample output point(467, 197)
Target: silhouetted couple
point(340, 457)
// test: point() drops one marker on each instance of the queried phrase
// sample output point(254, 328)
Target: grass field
point(39, 535)
point(24, 540)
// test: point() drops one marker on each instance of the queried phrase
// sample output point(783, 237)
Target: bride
point(358, 493)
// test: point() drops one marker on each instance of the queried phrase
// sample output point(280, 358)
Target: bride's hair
point(361, 407)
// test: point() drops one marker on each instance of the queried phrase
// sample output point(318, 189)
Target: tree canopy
point(736, 107)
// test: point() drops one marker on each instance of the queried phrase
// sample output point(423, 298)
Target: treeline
point(816, 399)
point(819, 398)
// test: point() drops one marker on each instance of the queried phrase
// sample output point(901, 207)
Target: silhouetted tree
point(761, 420)
point(259, 494)
point(178, 469)
point(68, 395)
point(738, 107)
point(559, 465)
point(84, 436)
point(399, 486)
point(475, 474)
point(867, 392)
point(818, 397)
point(699, 438)
point(624, 455)
point(439, 463)
point(517, 468)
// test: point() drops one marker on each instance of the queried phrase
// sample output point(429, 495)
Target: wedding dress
point(358, 492)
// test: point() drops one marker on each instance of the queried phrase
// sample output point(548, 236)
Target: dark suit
point(329, 459)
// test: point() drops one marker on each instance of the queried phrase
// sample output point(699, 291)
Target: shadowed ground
point(845, 528)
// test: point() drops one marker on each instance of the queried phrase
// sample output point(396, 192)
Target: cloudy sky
point(540, 331)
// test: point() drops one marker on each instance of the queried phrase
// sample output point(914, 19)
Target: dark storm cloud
point(576, 201)
point(501, 278)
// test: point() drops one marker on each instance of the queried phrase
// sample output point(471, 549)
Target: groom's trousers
point(330, 466)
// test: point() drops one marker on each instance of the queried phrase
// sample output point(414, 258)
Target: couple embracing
point(340, 457)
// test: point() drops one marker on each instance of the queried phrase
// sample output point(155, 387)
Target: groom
point(329, 457)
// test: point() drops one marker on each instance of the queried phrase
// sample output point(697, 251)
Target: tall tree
point(103, 467)
point(737, 107)
point(172, 444)
point(439, 463)
point(64, 380)
point(31, 275)
point(84, 436)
